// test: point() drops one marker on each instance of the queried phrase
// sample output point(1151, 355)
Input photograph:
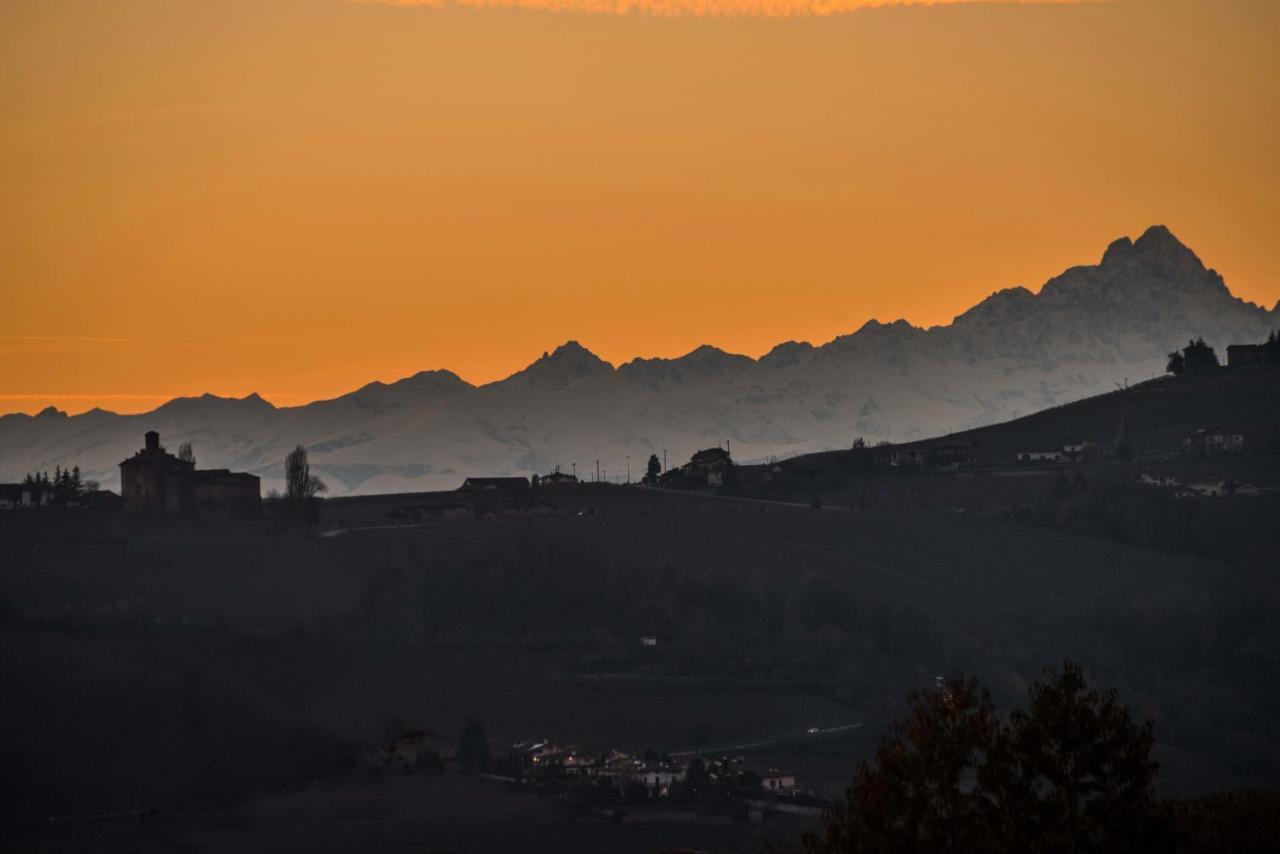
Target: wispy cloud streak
point(706, 8)
point(65, 338)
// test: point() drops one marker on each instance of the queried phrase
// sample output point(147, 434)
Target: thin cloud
point(705, 8)
point(92, 339)
point(107, 396)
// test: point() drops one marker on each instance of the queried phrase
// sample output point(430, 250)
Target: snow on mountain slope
point(1013, 353)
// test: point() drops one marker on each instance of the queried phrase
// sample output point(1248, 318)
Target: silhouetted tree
point(300, 506)
point(653, 470)
point(926, 789)
point(1177, 365)
point(300, 483)
point(66, 484)
point(473, 746)
point(186, 453)
point(1077, 771)
point(1199, 356)
point(1072, 773)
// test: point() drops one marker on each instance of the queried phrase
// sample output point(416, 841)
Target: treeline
point(65, 483)
point(1199, 356)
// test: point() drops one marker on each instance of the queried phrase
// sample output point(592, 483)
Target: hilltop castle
point(155, 481)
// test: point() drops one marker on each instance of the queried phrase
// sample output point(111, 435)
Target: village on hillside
point(701, 786)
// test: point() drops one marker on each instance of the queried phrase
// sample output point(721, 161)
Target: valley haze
point(1084, 332)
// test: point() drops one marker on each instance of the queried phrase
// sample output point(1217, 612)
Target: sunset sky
point(296, 197)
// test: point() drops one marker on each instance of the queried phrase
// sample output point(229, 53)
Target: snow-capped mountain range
point(1013, 353)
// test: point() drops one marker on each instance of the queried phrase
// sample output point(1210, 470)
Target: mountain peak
point(873, 325)
point(210, 403)
point(1117, 252)
point(51, 412)
point(1156, 245)
point(787, 353)
point(567, 363)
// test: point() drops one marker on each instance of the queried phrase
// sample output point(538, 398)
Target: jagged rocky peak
point(709, 357)
point(1119, 251)
point(51, 412)
point(1155, 267)
point(567, 363)
point(209, 403)
point(1156, 247)
point(1008, 304)
point(787, 353)
point(874, 327)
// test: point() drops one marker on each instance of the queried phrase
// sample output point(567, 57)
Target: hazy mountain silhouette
point(1013, 353)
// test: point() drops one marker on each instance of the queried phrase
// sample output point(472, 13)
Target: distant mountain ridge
point(1013, 353)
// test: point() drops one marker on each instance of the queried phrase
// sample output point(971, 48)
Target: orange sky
point(295, 197)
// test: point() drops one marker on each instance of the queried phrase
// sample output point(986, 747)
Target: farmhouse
point(1039, 456)
point(708, 466)
point(935, 455)
point(1246, 354)
point(225, 493)
point(556, 478)
point(1214, 440)
point(778, 782)
point(15, 495)
point(156, 482)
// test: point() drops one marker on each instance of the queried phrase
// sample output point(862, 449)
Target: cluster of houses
point(1204, 486)
point(33, 496)
point(542, 759)
point(1208, 441)
point(1214, 440)
point(1080, 451)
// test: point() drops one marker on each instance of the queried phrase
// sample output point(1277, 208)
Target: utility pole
point(1123, 394)
point(628, 469)
point(728, 447)
point(575, 471)
point(597, 471)
point(664, 459)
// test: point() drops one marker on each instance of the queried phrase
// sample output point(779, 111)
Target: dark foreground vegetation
point(1072, 772)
